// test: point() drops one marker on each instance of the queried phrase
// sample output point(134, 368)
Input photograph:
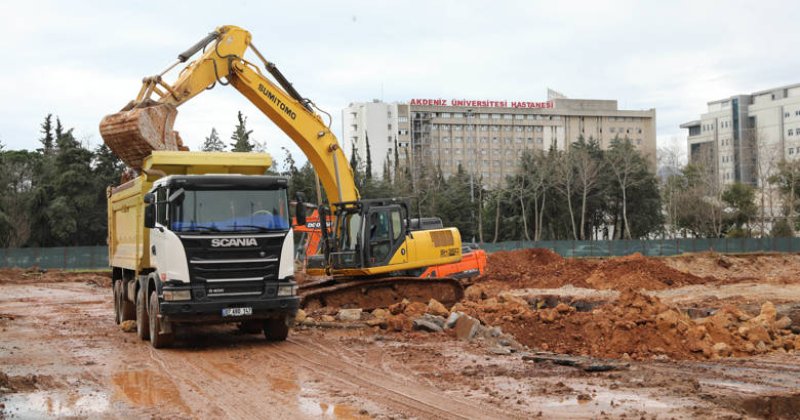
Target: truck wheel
point(251, 327)
point(142, 320)
point(157, 338)
point(117, 311)
point(276, 329)
point(125, 311)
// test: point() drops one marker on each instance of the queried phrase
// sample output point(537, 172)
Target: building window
point(402, 132)
point(791, 132)
point(390, 126)
point(458, 115)
point(495, 116)
point(638, 141)
point(483, 116)
point(791, 150)
point(786, 115)
point(539, 140)
point(508, 116)
point(402, 119)
point(612, 129)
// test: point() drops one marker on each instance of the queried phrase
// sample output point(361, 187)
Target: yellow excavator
point(371, 257)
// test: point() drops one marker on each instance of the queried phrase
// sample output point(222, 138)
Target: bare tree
point(565, 183)
point(587, 172)
point(766, 157)
point(625, 161)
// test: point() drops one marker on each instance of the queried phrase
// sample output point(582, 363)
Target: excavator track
point(369, 294)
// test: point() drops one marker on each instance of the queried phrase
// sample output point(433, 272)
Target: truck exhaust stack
point(134, 133)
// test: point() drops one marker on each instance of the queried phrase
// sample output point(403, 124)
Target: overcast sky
point(82, 60)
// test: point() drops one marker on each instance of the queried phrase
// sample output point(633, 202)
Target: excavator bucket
point(135, 133)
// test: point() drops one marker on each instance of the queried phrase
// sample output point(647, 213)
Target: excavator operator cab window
point(380, 242)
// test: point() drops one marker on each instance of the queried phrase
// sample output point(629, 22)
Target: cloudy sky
point(82, 60)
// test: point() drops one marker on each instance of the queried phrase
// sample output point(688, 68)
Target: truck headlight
point(286, 290)
point(171, 295)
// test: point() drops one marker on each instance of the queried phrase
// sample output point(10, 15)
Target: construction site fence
point(62, 257)
point(96, 257)
point(655, 247)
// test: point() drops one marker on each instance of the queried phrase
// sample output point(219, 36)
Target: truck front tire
point(276, 329)
point(123, 309)
point(142, 320)
point(158, 339)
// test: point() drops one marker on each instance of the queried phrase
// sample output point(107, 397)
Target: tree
point(565, 183)
point(213, 142)
point(587, 174)
point(741, 199)
point(625, 161)
point(241, 136)
point(47, 140)
point(368, 170)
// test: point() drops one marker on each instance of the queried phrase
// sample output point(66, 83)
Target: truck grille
point(234, 271)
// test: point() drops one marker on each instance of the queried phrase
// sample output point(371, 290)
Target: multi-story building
point(742, 138)
point(485, 137)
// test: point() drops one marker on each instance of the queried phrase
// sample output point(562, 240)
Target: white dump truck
point(202, 237)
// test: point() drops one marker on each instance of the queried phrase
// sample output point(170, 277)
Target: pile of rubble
point(407, 316)
point(636, 326)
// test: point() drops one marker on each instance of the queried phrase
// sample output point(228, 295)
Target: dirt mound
point(542, 268)
point(636, 326)
point(639, 272)
point(30, 276)
point(773, 268)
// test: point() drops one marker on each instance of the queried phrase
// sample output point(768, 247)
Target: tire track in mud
point(398, 392)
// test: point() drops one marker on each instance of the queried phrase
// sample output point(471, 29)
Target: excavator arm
point(146, 123)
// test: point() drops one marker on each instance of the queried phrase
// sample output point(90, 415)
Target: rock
point(439, 321)
point(300, 316)
point(415, 309)
point(504, 342)
point(767, 315)
point(783, 323)
point(128, 326)
point(722, 349)
point(797, 342)
point(377, 322)
point(380, 313)
point(398, 323)
point(563, 308)
point(502, 351)
point(423, 324)
point(507, 297)
point(475, 293)
point(327, 318)
point(399, 307)
point(758, 333)
point(466, 327)
point(349, 314)
point(451, 320)
point(548, 315)
point(436, 308)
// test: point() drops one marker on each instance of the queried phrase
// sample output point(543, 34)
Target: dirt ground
point(62, 356)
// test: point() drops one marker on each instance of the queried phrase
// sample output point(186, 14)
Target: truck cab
point(221, 247)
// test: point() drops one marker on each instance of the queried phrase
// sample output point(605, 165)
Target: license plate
point(237, 311)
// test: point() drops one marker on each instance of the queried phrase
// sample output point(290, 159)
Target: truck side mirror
point(149, 215)
point(300, 209)
point(149, 198)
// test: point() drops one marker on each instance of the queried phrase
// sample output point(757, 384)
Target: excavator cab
point(368, 233)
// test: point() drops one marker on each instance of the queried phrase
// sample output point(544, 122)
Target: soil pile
point(542, 268)
point(30, 276)
point(636, 326)
point(772, 268)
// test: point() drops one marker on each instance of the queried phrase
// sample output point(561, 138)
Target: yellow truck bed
point(128, 240)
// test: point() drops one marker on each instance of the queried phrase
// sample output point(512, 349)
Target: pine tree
point(368, 173)
point(213, 142)
point(47, 130)
point(241, 136)
point(396, 159)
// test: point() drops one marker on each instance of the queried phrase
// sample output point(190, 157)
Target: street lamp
point(472, 173)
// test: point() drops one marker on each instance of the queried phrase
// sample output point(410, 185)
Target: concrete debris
point(423, 324)
point(467, 327)
point(451, 320)
point(349, 314)
point(300, 316)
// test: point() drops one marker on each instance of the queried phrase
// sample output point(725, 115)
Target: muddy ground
point(62, 356)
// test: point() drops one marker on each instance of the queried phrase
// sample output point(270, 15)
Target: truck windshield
point(230, 211)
